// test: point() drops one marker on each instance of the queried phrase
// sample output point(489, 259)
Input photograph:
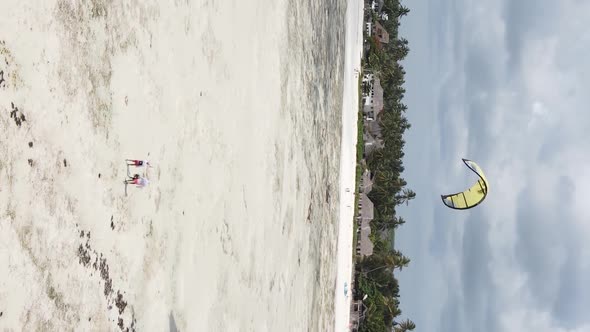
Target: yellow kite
point(472, 196)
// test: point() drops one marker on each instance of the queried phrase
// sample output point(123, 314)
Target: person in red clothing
point(138, 163)
point(137, 180)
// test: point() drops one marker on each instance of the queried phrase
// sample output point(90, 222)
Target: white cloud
point(536, 145)
point(524, 319)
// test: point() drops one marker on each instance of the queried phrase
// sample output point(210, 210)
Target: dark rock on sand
point(17, 115)
point(120, 303)
point(86, 255)
point(83, 255)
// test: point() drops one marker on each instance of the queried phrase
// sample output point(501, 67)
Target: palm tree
point(385, 211)
point(389, 259)
point(403, 11)
point(404, 326)
point(402, 261)
point(381, 261)
point(386, 221)
point(391, 308)
point(405, 197)
point(385, 176)
point(379, 194)
point(398, 222)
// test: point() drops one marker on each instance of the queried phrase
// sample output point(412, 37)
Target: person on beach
point(138, 163)
point(137, 180)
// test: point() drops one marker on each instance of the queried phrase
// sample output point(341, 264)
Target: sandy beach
point(245, 225)
point(353, 54)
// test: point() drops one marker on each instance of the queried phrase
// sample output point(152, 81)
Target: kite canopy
point(472, 196)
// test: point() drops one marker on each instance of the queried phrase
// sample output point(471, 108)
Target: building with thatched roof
point(366, 245)
point(357, 314)
point(373, 100)
point(380, 33)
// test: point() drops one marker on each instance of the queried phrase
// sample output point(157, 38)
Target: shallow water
point(316, 65)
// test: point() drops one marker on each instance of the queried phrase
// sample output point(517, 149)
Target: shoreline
point(353, 53)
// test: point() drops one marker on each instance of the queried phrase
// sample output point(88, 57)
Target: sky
point(503, 83)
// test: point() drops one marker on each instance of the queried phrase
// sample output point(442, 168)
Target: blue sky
point(504, 83)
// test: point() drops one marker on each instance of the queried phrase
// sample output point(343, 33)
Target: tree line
point(375, 273)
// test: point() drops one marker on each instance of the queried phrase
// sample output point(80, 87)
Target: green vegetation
point(360, 144)
point(375, 273)
point(360, 150)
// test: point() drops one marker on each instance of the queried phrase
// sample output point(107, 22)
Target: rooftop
point(381, 33)
point(366, 214)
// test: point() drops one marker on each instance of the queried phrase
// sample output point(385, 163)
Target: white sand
point(354, 44)
point(219, 239)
